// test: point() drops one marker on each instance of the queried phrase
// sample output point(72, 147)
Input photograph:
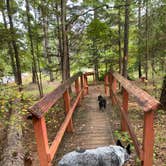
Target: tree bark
point(163, 94)
point(119, 43)
point(60, 53)
point(10, 51)
point(18, 67)
point(65, 58)
point(126, 39)
point(139, 40)
point(95, 52)
point(147, 44)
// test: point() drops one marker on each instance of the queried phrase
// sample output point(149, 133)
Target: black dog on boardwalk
point(102, 102)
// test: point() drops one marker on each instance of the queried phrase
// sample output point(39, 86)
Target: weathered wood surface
point(45, 103)
point(145, 101)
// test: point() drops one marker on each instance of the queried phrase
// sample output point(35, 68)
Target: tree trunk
point(163, 94)
point(40, 85)
point(59, 40)
point(64, 41)
point(13, 150)
point(35, 77)
point(95, 52)
point(126, 39)
point(10, 51)
point(139, 40)
point(46, 42)
point(68, 56)
point(18, 67)
point(147, 45)
point(119, 43)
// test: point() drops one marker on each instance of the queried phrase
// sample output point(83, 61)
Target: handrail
point(38, 110)
point(45, 103)
point(147, 103)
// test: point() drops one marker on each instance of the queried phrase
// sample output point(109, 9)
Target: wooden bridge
point(96, 127)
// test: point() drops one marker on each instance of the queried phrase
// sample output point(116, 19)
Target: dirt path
point(92, 126)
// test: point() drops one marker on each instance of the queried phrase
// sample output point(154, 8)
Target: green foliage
point(98, 31)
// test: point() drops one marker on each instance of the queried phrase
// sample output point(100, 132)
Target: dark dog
point(102, 102)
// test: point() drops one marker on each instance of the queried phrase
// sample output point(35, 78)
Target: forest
point(45, 42)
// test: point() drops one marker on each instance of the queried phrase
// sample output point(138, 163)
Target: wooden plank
point(60, 133)
point(148, 141)
point(145, 101)
point(45, 103)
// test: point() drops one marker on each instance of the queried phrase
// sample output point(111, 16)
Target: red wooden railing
point(147, 103)
point(38, 110)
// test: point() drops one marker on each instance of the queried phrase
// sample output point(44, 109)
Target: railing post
point(42, 141)
point(82, 85)
point(110, 85)
point(67, 109)
point(114, 82)
point(77, 87)
point(86, 84)
point(106, 84)
point(125, 109)
point(148, 140)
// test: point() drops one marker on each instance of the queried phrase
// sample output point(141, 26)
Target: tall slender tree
point(34, 64)
point(139, 39)
point(126, 38)
point(14, 43)
point(10, 49)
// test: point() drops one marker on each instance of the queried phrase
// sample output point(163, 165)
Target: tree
point(14, 44)
point(45, 15)
point(34, 64)
point(163, 94)
point(139, 39)
point(126, 38)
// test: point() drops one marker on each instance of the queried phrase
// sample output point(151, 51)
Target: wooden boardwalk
point(92, 127)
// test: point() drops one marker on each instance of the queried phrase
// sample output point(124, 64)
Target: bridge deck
point(92, 127)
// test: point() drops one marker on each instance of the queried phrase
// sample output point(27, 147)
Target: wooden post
point(77, 88)
point(110, 85)
point(148, 141)
point(82, 85)
point(113, 89)
point(67, 109)
point(86, 84)
point(106, 84)
point(125, 109)
point(42, 141)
